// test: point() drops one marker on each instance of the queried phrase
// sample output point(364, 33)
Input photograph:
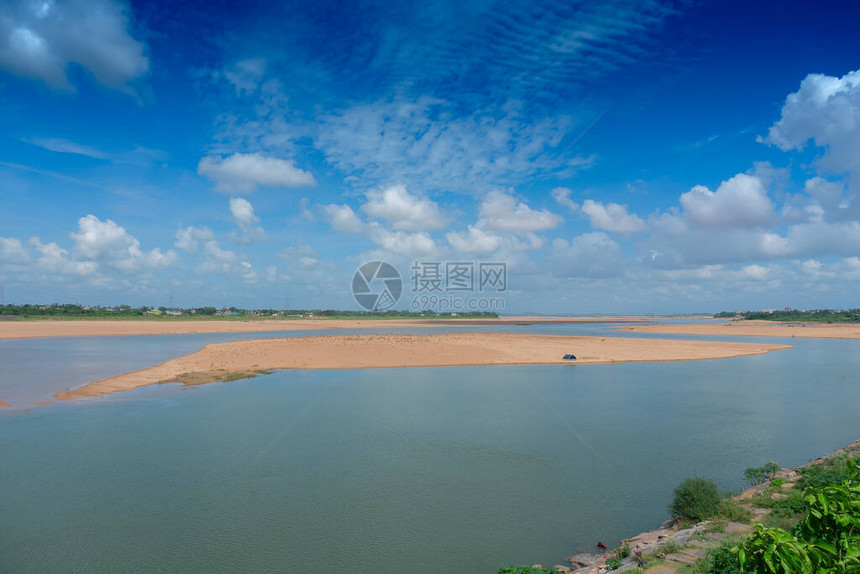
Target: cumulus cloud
point(593, 254)
point(243, 216)
point(243, 172)
point(825, 110)
point(562, 197)
point(415, 245)
point(13, 251)
point(504, 212)
point(342, 218)
point(474, 240)
point(41, 39)
point(403, 210)
point(612, 217)
point(110, 244)
point(190, 238)
point(56, 260)
point(741, 201)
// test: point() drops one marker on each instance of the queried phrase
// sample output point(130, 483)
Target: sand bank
point(237, 359)
point(65, 328)
point(754, 329)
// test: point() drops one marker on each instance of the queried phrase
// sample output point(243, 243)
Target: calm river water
point(394, 470)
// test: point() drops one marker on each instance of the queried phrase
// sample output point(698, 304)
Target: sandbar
point(108, 327)
point(754, 329)
point(239, 359)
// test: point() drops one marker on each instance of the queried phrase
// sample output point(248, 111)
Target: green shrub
point(833, 471)
point(526, 570)
point(695, 499)
point(759, 474)
point(733, 512)
point(623, 551)
point(720, 560)
point(826, 540)
point(777, 483)
point(793, 505)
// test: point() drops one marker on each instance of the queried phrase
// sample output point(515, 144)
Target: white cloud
point(415, 245)
point(421, 141)
point(109, 243)
point(13, 251)
point(246, 75)
point(342, 218)
point(214, 252)
point(65, 146)
point(190, 238)
point(612, 217)
point(42, 39)
point(562, 197)
point(825, 110)
point(504, 213)
point(243, 215)
point(243, 172)
point(738, 202)
point(474, 240)
point(593, 254)
point(55, 260)
point(403, 210)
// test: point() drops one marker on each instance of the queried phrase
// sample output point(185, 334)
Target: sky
point(618, 157)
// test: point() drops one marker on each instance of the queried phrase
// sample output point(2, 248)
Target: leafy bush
point(695, 499)
point(526, 570)
point(759, 474)
point(733, 512)
point(834, 471)
point(792, 505)
point(720, 560)
point(623, 551)
point(826, 540)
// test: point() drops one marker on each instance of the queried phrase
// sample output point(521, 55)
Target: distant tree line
point(73, 310)
point(818, 315)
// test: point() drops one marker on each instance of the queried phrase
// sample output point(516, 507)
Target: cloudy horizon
point(631, 157)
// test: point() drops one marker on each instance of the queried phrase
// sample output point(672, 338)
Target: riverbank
point(752, 329)
point(673, 549)
point(241, 359)
point(113, 327)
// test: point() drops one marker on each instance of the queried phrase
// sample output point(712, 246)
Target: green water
point(401, 470)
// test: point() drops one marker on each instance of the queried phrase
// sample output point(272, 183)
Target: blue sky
point(620, 157)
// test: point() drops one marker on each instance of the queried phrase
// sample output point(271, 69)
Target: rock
point(602, 545)
point(562, 569)
point(583, 560)
point(682, 558)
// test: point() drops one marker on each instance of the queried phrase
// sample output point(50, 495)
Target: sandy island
point(66, 328)
point(240, 359)
point(754, 329)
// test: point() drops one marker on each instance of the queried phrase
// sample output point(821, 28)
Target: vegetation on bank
point(809, 526)
point(819, 533)
point(819, 315)
point(126, 312)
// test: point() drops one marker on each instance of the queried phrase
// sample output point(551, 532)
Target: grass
point(733, 512)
